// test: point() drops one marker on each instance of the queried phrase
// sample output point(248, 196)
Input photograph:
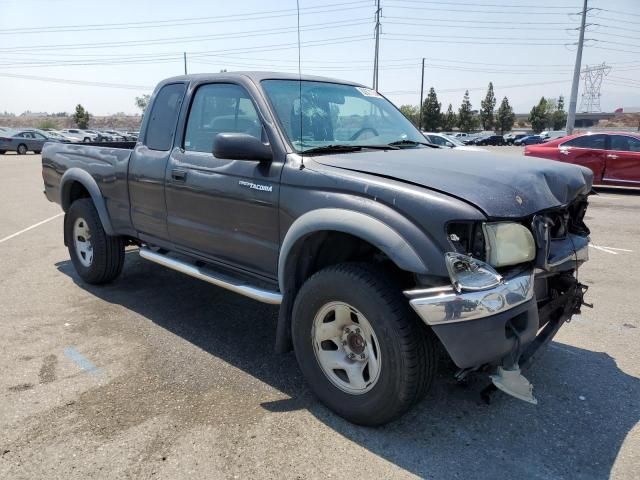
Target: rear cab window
point(164, 117)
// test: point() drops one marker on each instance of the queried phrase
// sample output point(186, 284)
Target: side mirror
point(241, 146)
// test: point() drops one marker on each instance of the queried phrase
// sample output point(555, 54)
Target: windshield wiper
point(347, 148)
point(413, 142)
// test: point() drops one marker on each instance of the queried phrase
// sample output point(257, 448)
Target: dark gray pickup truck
point(319, 196)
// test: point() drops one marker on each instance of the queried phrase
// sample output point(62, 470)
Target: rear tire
point(399, 359)
point(97, 257)
point(22, 149)
point(2, 152)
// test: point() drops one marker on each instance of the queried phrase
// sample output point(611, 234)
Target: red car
point(614, 157)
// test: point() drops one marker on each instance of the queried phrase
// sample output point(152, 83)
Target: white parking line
point(611, 250)
point(31, 227)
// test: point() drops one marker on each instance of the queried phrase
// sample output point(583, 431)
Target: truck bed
point(106, 163)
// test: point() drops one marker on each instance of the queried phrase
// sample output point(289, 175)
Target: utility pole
point(184, 55)
point(375, 57)
point(421, 95)
point(571, 116)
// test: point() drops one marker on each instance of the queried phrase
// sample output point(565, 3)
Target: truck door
point(623, 161)
point(148, 163)
point(223, 210)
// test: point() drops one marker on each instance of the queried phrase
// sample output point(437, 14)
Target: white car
point(58, 134)
point(82, 135)
point(450, 142)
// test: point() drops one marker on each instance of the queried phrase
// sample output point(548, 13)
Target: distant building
point(34, 114)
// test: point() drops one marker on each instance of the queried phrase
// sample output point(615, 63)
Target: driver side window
point(219, 108)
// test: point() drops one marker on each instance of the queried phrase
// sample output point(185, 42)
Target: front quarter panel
point(407, 222)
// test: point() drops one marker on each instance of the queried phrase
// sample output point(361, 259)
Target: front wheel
point(97, 257)
point(360, 348)
point(22, 149)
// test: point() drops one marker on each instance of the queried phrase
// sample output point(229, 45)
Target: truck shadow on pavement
point(587, 405)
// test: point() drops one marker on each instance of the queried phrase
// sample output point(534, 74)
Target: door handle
point(179, 175)
point(612, 156)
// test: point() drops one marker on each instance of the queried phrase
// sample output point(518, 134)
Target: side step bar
point(221, 280)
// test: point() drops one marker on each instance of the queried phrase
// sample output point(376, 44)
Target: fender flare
point(361, 225)
point(88, 182)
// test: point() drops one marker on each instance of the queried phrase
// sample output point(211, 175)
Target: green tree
point(411, 112)
point(466, 117)
point(559, 116)
point(505, 118)
point(431, 115)
point(487, 106)
point(539, 116)
point(81, 117)
point(142, 102)
point(449, 119)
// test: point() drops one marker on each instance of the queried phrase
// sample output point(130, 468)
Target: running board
point(220, 280)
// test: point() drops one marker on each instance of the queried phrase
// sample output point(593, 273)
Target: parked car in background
point(82, 135)
point(553, 134)
point(529, 140)
point(447, 141)
point(23, 141)
point(489, 140)
point(115, 136)
point(133, 135)
point(509, 138)
point(62, 136)
point(614, 157)
point(99, 136)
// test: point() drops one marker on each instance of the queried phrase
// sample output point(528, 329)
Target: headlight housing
point(468, 273)
point(508, 243)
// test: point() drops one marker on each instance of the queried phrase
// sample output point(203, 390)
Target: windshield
point(337, 114)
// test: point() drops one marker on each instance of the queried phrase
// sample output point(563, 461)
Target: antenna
point(300, 85)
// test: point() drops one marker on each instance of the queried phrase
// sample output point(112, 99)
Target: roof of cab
point(256, 76)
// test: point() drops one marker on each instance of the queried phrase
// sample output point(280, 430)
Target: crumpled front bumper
point(499, 325)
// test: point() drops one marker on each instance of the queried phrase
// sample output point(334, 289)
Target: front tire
point(363, 352)
point(97, 257)
point(22, 149)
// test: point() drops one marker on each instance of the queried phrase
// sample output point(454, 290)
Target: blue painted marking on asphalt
point(84, 363)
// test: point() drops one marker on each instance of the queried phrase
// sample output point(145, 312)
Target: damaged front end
point(504, 325)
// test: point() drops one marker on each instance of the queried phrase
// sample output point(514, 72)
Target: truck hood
point(501, 186)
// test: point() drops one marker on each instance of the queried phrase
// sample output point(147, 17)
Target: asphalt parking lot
point(162, 376)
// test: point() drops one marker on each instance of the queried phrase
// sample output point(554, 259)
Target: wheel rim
point(22, 149)
point(346, 348)
point(82, 242)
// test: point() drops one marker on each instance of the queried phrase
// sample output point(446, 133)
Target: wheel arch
point(305, 238)
point(77, 183)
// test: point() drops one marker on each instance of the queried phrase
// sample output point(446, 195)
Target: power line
point(501, 5)
point(187, 39)
point(251, 16)
point(483, 88)
point(77, 82)
point(457, 20)
point(466, 10)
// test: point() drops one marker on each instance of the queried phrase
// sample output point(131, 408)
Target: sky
point(55, 54)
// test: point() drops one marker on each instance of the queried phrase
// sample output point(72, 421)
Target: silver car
point(81, 135)
point(23, 141)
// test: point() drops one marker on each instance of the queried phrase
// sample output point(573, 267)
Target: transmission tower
point(592, 76)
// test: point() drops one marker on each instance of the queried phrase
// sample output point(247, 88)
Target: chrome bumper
point(444, 305)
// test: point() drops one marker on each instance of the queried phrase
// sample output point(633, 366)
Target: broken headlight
point(469, 273)
point(508, 243)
